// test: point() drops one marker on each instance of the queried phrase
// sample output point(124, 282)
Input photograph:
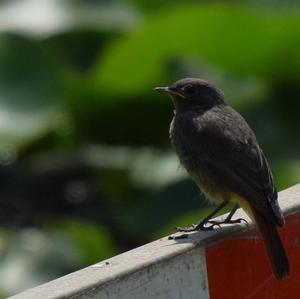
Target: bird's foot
point(207, 225)
point(231, 221)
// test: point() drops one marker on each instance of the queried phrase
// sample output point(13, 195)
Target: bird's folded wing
point(235, 158)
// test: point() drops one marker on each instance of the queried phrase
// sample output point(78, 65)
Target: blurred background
point(86, 167)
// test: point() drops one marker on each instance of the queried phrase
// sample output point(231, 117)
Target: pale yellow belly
point(217, 196)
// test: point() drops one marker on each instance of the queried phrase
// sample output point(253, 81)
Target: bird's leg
point(207, 224)
point(206, 220)
point(229, 220)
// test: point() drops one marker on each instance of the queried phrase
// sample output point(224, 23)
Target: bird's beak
point(163, 89)
point(168, 91)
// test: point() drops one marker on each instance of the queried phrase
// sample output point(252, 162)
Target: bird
point(220, 152)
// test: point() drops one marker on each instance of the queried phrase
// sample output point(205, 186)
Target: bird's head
point(193, 94)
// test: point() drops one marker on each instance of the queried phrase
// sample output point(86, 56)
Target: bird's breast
point(190, 158)
point(183, 141)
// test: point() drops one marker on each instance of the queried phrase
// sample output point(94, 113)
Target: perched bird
point(220, 152)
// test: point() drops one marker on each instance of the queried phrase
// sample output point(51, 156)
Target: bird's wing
point(229, 148)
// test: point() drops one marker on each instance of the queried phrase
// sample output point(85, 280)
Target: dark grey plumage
point(220, 151)
point(217, 144)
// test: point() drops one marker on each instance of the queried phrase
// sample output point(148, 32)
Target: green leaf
point(237, 40)
point(30, 90)
point(93, 243)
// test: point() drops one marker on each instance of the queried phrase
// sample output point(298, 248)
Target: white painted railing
point(165, 268)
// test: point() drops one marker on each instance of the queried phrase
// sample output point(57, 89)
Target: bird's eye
point(189, 89)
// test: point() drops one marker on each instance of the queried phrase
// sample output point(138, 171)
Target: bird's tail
point(275, 249)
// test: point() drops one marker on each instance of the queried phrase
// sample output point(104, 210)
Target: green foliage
point(93, 243)
point(233, 38)
point(30, 89)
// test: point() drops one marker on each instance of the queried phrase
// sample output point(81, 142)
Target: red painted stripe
point(238, 267)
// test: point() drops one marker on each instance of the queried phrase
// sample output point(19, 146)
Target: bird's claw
point(230, 221)
point(200, 226)
point(240, 220)
point(191, 228)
